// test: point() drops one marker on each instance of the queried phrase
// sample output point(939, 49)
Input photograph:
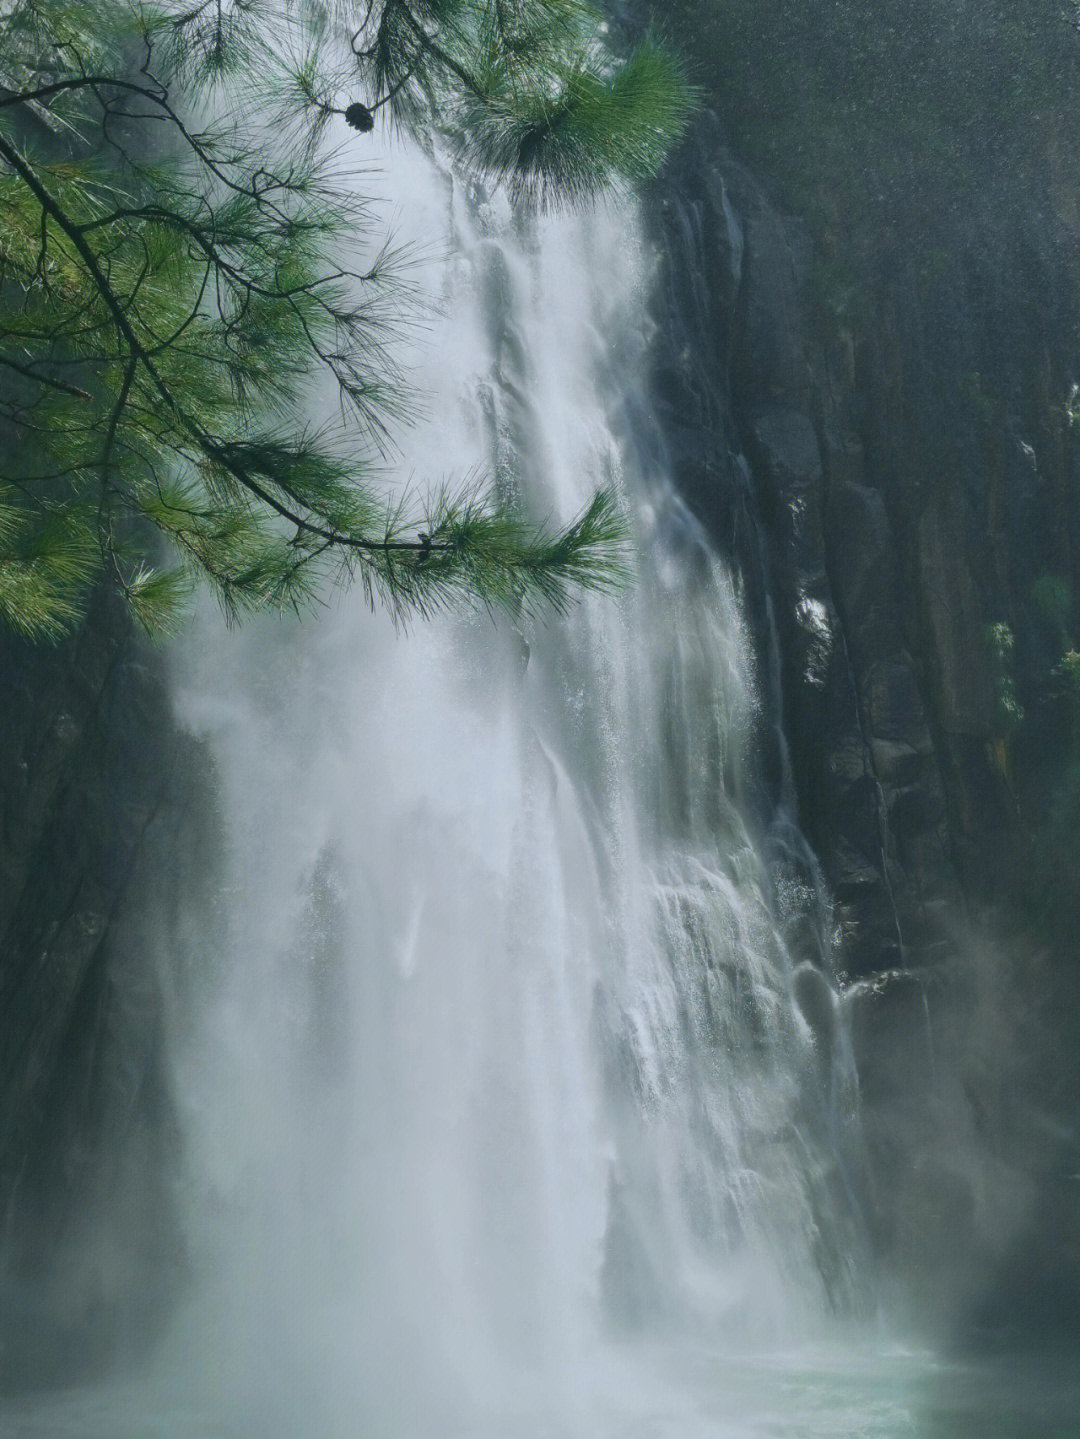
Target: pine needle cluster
point(530, 91)
point(173, 290)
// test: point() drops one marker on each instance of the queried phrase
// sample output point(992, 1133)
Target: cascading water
point(515, 1068)
point(505, 1053)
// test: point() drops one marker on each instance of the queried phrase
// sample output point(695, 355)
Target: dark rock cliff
point(746, 385)
point(894, 493)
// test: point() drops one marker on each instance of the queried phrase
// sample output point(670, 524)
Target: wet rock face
point(105, 815)
point(740, 391)
point(889, 495)
point(893, 492)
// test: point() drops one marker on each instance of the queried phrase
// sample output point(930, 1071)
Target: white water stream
point(503, 1060)
point(501, 1115)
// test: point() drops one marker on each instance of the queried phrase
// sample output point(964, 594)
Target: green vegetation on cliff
point(173, 289)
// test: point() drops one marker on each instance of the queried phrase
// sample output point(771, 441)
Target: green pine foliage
point(174, 291)
point(529, 91)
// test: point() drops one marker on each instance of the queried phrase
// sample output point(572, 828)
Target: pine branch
point(201, 293)
point(49, 380)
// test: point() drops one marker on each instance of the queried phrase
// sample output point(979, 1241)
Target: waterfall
point(515, 1066)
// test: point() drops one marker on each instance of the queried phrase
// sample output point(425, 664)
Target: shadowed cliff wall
point(864, 378)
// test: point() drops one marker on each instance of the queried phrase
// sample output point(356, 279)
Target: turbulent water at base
point(515, 1102)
